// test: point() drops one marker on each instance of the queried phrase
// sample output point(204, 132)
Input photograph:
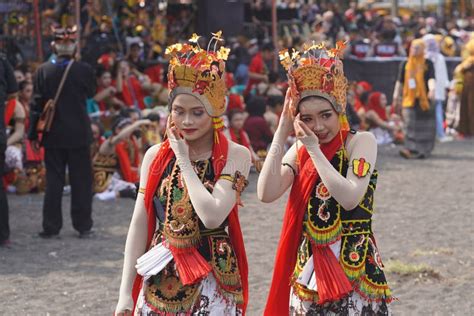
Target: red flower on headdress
point(327, 84)
point(200, 86)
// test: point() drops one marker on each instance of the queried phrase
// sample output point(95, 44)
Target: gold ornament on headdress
point(199, 72)
point(317, 71)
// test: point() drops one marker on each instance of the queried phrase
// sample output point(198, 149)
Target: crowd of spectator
point(125, 44)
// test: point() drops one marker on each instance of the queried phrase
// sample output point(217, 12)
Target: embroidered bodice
point(183, 228)
point(326, 222)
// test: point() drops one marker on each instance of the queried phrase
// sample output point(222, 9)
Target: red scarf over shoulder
point(303, 186)
point(158, 166)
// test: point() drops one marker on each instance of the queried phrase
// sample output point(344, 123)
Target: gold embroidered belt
point(356, 227)
point(219, 231)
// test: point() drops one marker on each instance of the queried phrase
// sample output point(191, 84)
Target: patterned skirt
point(352, 305)
point(209, 302)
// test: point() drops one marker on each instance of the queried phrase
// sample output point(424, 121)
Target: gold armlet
point(239, 183)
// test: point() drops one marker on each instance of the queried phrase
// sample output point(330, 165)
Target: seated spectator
point(97, 138)
point(352, 117)
point(273, 111)
point(256, 127)
point(107, 59)
point(15, 129)
point(359, 46)
point(135, 57)
point(236, 132)
point(258, 69)
point(105, 96)
point(129, 87)
point(385, 127)
point(152, 133)
point(117, 163)
point(269, 88)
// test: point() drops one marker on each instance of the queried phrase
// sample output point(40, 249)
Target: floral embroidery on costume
point(326, 222)
point(164, 292)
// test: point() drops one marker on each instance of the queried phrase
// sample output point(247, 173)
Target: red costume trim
point(128, 169)
point(9, 110)
point(303, 186)
point(219, 159)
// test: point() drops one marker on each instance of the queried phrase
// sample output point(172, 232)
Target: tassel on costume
point(218, 124)
point(332, 282)
point(191, 266)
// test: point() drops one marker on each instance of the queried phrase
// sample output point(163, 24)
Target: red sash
point(329, 283)
point(128, 168)
point(161, 161)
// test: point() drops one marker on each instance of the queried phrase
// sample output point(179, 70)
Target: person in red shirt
point(256, 127)
point(106, 92)
point(258, 70)
point(129, 87)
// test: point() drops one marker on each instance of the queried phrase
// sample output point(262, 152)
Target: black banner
point(382, 73)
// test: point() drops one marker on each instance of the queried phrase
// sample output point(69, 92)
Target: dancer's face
point(319, 115)
point(190, 117)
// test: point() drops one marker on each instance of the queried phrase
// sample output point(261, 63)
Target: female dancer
point(184, 240)
point(327, 262)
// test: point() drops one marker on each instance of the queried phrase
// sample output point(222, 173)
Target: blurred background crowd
point(125, 42)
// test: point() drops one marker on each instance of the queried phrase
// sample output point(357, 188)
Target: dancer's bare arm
point(135, 245)
point(279, 169)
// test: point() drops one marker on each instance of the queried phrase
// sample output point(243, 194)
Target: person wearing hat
point(184, 252)
point(327, 261)
point(67, 142)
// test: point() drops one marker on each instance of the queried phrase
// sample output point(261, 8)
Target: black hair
point(273, 77)
point(256, 106)
point(120, 122)
point(268, 47)
point(100, 126)
point(364, 97)
point(274, 100)
point(153, 116)
point(134, 45)
point(23, 84)
point(100, 70)
point(128, 111)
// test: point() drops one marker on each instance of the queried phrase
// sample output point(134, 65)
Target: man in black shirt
point(69, 138)
point(8, 89)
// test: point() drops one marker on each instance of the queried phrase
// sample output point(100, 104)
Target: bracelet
point(291, 167)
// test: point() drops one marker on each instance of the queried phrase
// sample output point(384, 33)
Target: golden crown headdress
point(317, 71)
point(199, 72)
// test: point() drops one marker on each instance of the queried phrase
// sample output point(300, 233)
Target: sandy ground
point(423, 226)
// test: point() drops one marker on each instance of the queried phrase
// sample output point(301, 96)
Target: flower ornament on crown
point(317, 71)
point(200, 72)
